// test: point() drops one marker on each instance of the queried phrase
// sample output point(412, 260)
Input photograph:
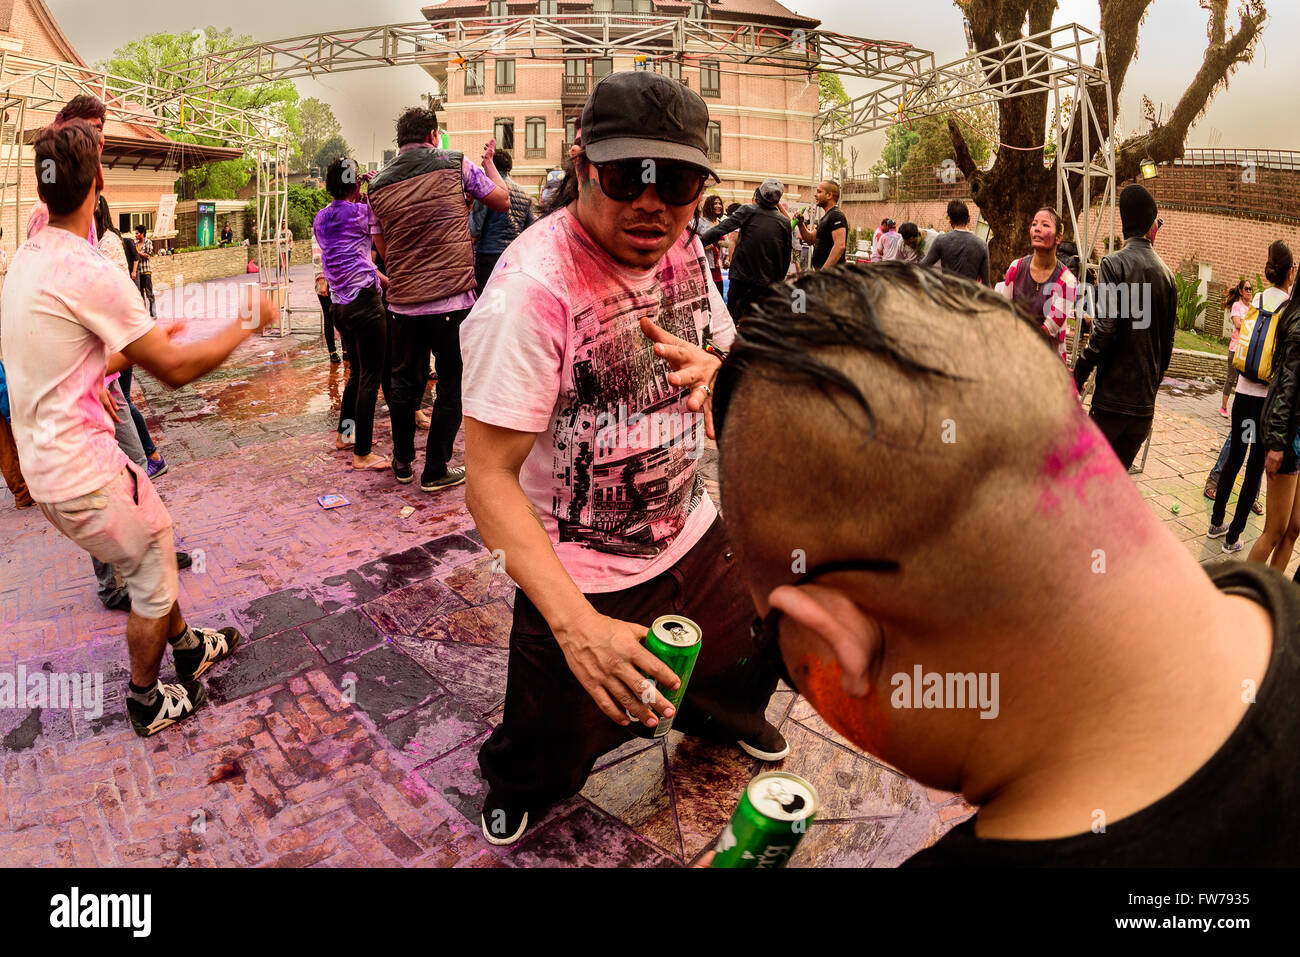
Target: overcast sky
point(1254, 112)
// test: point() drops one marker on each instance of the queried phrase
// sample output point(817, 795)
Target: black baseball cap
point(635, 114)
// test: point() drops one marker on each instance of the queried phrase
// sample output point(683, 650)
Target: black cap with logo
point(634, 114)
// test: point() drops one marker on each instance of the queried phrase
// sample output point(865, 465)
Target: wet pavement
point(346, 731)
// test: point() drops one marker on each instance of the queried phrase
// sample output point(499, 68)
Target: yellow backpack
point(1257, 342)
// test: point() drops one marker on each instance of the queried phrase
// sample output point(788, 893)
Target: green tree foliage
point(318, 124)
point(144, 59)
point(330, 150)
point(830, 92)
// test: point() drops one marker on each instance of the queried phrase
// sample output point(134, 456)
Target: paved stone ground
point(346, 731)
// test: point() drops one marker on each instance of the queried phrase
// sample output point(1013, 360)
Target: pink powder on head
point(1074, 467)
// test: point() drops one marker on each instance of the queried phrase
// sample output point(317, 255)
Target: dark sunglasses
point(678, 184)
point(766, 631)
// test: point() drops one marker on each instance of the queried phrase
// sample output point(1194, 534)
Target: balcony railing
point(535, 152)
point(576, 84)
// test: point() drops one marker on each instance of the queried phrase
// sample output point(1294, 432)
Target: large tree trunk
point(1018, 184)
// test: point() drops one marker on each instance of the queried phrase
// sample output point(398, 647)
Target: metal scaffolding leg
point(13, 113)
point(272, 209)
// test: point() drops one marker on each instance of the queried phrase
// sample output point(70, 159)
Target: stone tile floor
point(346, 731)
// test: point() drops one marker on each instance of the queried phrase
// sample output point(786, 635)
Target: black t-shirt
point(128, 247)
point(831, 220)
point(763, 250)
point(1238, 810)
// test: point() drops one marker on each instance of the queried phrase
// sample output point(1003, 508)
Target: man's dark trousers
point(1125, 433)
point(552, 732)
point(741, 295)
point(411, 339)
point(145, 282)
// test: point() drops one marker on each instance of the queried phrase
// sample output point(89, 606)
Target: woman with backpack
point(1040, 283)
point(1248, 406)
point(1280, 422)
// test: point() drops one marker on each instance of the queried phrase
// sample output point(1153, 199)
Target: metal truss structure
point(1066, 63)
point(905, 84)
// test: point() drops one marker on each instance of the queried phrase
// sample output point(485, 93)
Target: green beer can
point(773, 815)
point(675, 641)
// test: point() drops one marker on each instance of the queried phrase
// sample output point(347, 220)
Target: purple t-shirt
point(477, 185)
point(343, 231)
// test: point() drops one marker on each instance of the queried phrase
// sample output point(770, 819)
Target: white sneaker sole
point(753, 752)
point(503, 841)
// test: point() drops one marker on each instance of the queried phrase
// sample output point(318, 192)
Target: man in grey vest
point(421, 205)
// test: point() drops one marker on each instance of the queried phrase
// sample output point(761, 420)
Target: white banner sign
point(165, 223)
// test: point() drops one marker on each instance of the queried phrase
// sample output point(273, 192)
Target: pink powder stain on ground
point(1075, 467)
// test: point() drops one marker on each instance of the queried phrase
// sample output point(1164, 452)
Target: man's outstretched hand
point(694, 369)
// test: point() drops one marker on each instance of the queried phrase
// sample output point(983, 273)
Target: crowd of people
point(591, 352)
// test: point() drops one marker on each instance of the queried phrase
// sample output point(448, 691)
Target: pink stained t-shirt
point(1239, 312)
point(67, 309)
point(554, 346)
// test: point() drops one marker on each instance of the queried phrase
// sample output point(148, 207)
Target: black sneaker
point(447, 480)
point(767, 745)
point(502, 825)
point(402, 472)
point(175, 703)
point(183, 560)
point(334, 358)
point(119, 600)
point(213, 646)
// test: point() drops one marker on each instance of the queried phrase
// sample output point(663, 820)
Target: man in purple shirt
point(343, 233)
point(421, 228)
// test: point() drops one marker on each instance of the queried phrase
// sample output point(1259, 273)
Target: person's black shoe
point(334, 358)
point(175, 703)
point(767, 745)
point(402, 472)
point(502, 825)
point(183, 560)
point(213, 646)
point(119, 600)
point(446, 480)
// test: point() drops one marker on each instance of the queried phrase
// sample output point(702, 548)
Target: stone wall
point(1187, 364)
point(217, 263)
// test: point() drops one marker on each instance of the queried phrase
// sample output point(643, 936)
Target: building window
point(602, 6)
point(672, 68)
point(601, 66)
point(714, 140)
point(497, 8)
point(575, 76)
point(628, 6)
point(710, 78)
point(570, 130)
point(548, 8)
point(473, 78)
point(505, 76)
point(503, 130)
point(535, 136)
point(699, 10)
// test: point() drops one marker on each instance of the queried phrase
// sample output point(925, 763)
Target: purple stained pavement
point(346, 731)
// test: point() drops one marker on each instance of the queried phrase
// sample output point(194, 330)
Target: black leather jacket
point(763, 251)
point(1133, 336)
point(1281, 410)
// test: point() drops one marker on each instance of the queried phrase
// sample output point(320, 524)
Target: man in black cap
point(583, 450)
point(1133, 334)
point(763, 251)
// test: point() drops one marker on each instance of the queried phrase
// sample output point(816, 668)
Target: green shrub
point(1190, 303)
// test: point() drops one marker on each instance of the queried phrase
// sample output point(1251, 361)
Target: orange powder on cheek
point(862, 720)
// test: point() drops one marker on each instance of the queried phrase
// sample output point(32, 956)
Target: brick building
point(140, 164)
point(761, 117)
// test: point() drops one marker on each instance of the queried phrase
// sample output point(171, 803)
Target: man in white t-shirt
point(67, 310)
point(582, 451)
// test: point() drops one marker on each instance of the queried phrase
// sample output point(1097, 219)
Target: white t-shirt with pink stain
point(67, 308)
point(554, 346)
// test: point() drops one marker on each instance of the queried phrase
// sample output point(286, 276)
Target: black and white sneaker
point(447, 480)
point(175, 703)
point(213, 646)
point(768, 745)
point(402, 472)
point(502, 825)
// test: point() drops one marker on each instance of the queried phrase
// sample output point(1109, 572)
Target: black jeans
point(145, 282)
point(327, 321)
point(1247, 410)
point(362, 325)
point(741, 295)
point(552, 732)
point(412, 338)
point(483, 266)
point(146, 440)
point(1125, 433)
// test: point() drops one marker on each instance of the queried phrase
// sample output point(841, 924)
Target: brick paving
point(346, 730)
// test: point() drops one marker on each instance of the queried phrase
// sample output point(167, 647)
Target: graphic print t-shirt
point(555, 347)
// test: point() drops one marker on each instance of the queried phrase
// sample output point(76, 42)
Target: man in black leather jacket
point(1133, 336)
point(1282, 407)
